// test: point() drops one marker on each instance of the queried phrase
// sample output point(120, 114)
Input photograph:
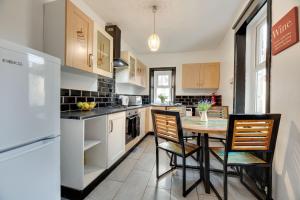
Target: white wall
point(285, 99)
point(176, 60)
point(22, 22)
point(227, 69)
point(226, 49)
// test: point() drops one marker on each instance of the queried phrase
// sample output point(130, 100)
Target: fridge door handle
point(25, 149)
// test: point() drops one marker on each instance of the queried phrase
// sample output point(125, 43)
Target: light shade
point(153, 42)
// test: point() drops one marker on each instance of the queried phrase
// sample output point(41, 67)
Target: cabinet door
point(138, 75)
point(132, 68)
point(210, 75)
point(144, 76)
point(190, 76)
point(79, 39)
point(116, 137)
point(143, 122)
point(103, 52)
point(149, 125)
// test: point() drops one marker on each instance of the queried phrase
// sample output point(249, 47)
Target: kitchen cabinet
point(142, 113)
point(83, 151)
point(141, 74)
point(134, 74)
point(180, 109)
point(149, 120)
point(116, 137)
point(68, 34)
point(103, 52)
point(201, 76)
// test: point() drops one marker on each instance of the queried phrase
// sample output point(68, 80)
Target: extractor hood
point(115, 32)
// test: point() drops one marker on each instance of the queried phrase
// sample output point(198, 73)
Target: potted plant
point(162, 98)
point(203, 107)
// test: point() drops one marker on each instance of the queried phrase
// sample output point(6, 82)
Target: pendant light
point(153, 40)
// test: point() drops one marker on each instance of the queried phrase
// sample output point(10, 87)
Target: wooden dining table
point(213, 126)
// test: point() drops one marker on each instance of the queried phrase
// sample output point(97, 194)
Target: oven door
point(132, 128)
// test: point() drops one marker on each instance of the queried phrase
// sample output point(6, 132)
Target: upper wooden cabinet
point(132, 62)
point(103, 52)
point(134, 74)
point(201, 76)
point(79, 38)
point(68, 34)
point(140, 73)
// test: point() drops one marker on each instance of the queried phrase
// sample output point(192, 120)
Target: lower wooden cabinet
point(115, 137)
point(142, 113)
point(201, 76)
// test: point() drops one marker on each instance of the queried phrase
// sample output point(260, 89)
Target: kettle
point(124, 100)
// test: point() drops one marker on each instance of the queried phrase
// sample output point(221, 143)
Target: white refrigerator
point(29, 124)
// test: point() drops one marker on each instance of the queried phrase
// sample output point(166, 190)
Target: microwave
point(135, 100)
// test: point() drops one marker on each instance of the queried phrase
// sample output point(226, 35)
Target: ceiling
point(182, 25)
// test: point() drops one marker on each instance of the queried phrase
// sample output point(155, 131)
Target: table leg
point(206, 163)
point(200, 157)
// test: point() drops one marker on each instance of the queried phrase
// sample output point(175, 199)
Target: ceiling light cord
point(154, 10)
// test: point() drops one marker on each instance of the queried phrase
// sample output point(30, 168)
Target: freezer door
point(31, 172)
point(30, 88)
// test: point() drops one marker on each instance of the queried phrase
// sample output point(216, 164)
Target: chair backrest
point(218, 111)
point(252, 132)
point(167, 125)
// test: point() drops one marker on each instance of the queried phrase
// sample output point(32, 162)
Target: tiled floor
point(134, 179)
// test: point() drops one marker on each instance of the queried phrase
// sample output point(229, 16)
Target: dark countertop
point(82, 115)
point(167, 105)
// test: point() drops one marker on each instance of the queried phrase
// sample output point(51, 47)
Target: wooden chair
point(249, 134)
point(167, 125)
point(218, 112)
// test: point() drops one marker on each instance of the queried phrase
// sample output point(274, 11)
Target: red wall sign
point(285, 32)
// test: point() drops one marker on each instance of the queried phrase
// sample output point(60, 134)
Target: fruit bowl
point(86, 106)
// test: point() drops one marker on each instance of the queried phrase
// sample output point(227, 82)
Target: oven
point(132, 125)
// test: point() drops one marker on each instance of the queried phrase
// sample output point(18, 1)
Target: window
point(256, 73)
point(163, 86)
point(260, 68)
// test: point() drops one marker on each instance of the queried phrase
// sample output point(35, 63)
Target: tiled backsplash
point(145, 99)
point(104, 97)
point(192, 100)
point(188, 100)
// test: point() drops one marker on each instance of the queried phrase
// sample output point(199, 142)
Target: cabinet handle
point(111, 126)
point(90, 60)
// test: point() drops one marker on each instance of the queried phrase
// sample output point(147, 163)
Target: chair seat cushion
point(177, 149)
point(237, 157)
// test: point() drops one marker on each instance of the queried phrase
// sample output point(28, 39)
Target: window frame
point(157, 86)
point(252, 65)
point(239, 28)
point(151, 82)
